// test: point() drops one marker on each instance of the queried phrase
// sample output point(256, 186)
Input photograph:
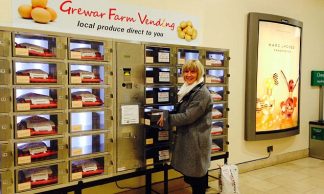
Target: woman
point(192, 144)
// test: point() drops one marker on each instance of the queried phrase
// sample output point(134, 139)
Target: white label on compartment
point(23, 133)
point(149, 100)
point(24, 160)
point(40, 101)
point(23, 79)
point(121, 168)
point(75, 128)
point(42, 175)
point(24, 186)
point(180, 80)
point(149, 60)
point(149, 161)
point(181, 61)
point(75, 55)
point(76, 80)
point(76, 175)
point(147, 122)
point(23, 106)
point(164, 155)
point(22, 51)
point(164, 76)
point(163, 96)
point(89, 166)
point(149, 80)
point(163, 135)
point(164, 57)
point(76, 151)
point(149, 141)
point(76, 104)
point(37, 150)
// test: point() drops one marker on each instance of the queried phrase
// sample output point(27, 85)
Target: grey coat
point(192, 144)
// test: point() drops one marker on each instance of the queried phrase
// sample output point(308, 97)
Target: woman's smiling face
point(190, 76)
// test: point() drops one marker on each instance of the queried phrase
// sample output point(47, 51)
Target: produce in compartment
point(216, 114)
point(39, 176)
point(37, 76)
point(88, 53)
point(217, 128)
point(215, 148)
point(37, 150)
point(87, 98)
point(35, 50)
point(37, 125)
point(215, 96)
point(86, 76)
point(213, 79)
point(37, 101)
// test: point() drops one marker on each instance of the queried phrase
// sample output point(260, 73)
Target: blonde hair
point(195, 66)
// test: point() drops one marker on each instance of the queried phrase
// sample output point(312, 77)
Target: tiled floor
point(303, 176)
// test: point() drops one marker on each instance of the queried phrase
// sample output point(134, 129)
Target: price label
point(163, 135)
point(23, 133)
point(24, 186)
point(181, 61)
point(77, 104)
point(164, 57)
point(149, 161)
point(164, 76)
point(149, 80)
point(147, 122)
point(77, 175)
point(23, 106)
point(22, 51)
point(180, 80)
point(164, 155)
point(24, 160)
point(149, 100)
point(149, 141)
point(23, 79)
point(76, 80)
point(75, 128)
point(75, 55)
point(163, 96)
point(149, 59)
point(76, 151)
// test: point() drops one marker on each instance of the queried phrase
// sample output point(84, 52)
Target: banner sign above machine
point(107, 19)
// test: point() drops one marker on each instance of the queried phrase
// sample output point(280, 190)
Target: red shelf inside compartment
point(46, 54)
point(98, 103)
point(51, 105)
point(95, 80)
point(32, 132)
point(40, 80)
point(94, 172)
point(45, 182)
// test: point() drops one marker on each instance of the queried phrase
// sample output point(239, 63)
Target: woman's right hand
point(160, 122)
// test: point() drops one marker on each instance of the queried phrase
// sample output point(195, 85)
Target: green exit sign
point(317, 78)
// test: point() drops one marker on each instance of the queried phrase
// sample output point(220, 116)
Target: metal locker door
point(130, 91)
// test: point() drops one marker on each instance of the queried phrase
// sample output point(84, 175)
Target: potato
point(179, 29)
point(181, 35)
point(194, 34)
point(39, 3)
point(189, 23)
point(188, 37)
point(25, 11)
point(183, 24)
point(52, 12)
point(187, 31)
point(41, 15)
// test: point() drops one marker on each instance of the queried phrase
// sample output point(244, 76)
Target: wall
point(225, 26)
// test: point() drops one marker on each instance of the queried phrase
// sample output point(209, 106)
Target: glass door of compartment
point(158, 75)
point(88, 74)
point(215, 76)
point(89, 97)
point(155, 54)
point(39, 72)
point(96, 120)
point(88, 167)
point(159, 95)
point(88, 144)
point(30, 45)
point(218, 93)
point(89, 50)
point(215, 58)
point(184, 55)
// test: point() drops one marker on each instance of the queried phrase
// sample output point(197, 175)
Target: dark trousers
point(198, 184)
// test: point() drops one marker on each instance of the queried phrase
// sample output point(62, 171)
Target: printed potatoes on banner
point(187, 31)
point(38, 11)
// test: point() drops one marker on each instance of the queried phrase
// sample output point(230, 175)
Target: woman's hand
point(160, 122)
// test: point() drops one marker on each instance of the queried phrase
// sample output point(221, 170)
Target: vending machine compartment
point(187, 54)
point(5, 43)
point(6, 182)
point(38, 125)
point(88, 167)
point(218, 93)
point(215, 59)
point(6, 155)
point(87, 74)
point(217, 145)
point(90, 50)
point(215, 76)
point(151, 117)
point(40, 176)
point(35, 151)
point(157, 155)
point(88, 97)
point(155, 136)
point(32, 72)
point(5, 128)
point(5, 70)
point(160, 95)
point(41, 46)
point(158, 75)
point(39, 98)
point(219, 111)
point(95, 120)
point(218, 128)
point(90, 144)
point(154, 54)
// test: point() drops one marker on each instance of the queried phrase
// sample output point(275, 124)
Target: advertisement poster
point(107, 19)
point(277, 77)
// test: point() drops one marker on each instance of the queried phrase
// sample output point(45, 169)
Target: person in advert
point(192, 118)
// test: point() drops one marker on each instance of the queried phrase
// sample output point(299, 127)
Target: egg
point(39, 3)
point(41, 15)
point(25, 11)
point(52, 12)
